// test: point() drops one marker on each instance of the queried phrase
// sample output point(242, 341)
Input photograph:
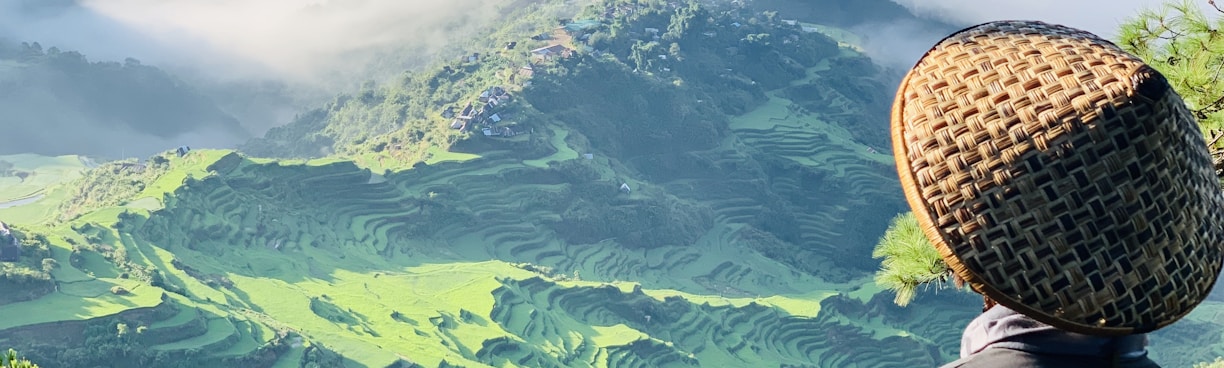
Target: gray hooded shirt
point(1001, 327)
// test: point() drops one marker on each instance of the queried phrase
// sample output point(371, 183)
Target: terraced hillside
point(718, 213)
point(351, 219)
point(396, 267)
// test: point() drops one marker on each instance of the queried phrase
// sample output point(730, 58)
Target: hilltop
point(629, 184)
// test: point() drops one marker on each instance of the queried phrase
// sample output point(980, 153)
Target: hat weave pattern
point(1060, 176)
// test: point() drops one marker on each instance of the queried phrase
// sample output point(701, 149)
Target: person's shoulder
point(1005, 358)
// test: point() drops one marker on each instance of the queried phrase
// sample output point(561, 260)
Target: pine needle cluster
point(909, 259)
point(10, 360)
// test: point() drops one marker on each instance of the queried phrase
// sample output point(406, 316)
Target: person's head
point(1060, 176)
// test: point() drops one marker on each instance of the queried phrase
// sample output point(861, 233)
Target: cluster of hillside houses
point(10, 248)
point(487, 115)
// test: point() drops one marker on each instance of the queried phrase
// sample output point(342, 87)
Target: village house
point(468, 112)
point(493, 94)
point(135, 167)
point(10, 248)
point(581, 27)
point(505, 131)
point(551, 52)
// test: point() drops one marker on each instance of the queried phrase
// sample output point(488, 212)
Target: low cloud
point(261, 60)
point(289, 39)
point(897, 45)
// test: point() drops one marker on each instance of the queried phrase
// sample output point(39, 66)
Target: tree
point(909, 259)
point(122, 330)
point(1185, 44)
point(1218, 363)
point(49, 264)
point(10, 360)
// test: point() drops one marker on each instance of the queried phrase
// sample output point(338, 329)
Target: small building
point(495, 118)
point(581, 26)
point(468, 112)
point(625, 187)
point(588, 156)
point(554, 51)
point(652, 31)
point(183, 150)
point(456, 124)
point(510, 45)
point(135, 167)
point(449, 112)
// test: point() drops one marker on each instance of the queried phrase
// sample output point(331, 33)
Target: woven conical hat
point(1060, 176)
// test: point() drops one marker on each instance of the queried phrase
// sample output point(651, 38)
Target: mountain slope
point(57, 102)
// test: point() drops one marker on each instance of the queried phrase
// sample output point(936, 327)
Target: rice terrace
point(689, 184)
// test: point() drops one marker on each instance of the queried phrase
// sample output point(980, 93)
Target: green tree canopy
point(10, 360)
point(1184, 43)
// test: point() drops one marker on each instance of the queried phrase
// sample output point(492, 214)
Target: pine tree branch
point(1212, 107)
